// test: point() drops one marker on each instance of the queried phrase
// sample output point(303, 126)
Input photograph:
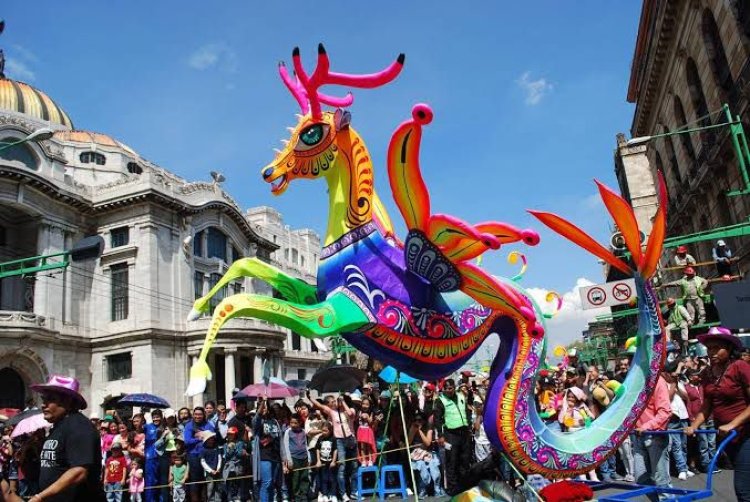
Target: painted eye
point(311, 136)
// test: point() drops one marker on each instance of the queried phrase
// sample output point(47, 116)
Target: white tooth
point(299, 117)
point(285, 141)
point(277, 150)
point(290, 129)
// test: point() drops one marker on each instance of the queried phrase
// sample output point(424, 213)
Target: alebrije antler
point(305, 88)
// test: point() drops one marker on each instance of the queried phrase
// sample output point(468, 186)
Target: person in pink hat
point(726, 391)
point(71, 459)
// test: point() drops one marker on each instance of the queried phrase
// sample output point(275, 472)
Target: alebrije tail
point(626, 222)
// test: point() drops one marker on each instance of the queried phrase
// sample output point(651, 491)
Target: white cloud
point(566, 327)
point(534, 90)
point(218, 55)
point(18, 70)
point(25, 53)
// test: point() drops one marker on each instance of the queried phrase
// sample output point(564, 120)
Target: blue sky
point(528, 97)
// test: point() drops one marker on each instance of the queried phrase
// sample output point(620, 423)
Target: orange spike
point(658, 231)
point(578, 236)
point(624, 216)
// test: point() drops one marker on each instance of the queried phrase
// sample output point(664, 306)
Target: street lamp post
point(40, 134)
point(739, 141)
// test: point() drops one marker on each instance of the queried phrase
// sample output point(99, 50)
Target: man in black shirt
point(71, 458)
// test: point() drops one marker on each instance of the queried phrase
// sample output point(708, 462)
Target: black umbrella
point(298, 384)
point(338, 379)
point(24, 414)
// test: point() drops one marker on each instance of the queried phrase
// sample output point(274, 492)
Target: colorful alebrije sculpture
point(420, 305)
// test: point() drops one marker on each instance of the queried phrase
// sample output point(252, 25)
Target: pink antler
point(305, 88)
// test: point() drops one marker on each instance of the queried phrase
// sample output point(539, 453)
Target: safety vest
point(675, 316)
point(699, 283)
point(455, 413)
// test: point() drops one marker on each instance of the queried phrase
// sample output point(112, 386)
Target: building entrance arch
point(12, 389)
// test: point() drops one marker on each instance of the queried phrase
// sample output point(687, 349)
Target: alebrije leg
point(291, 288)
point(338, 314)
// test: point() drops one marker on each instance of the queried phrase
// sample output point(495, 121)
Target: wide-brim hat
point(721, 334)
point(62, 385)
point(206, 435)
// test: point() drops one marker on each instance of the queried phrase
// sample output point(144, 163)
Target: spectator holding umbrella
point(71, 456)
point(726, 391)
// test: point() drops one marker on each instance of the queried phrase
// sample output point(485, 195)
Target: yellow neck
point(352, 201)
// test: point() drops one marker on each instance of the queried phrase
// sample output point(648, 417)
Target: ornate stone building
point(118, 323)
point(691, 57)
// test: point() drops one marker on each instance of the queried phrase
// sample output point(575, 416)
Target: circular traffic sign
point(596, 296)
point(621, 292)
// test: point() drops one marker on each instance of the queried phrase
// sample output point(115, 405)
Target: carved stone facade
point(691, 57)
point(118, 323)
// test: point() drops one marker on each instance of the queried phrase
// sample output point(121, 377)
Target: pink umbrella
point(275, 389)
point(31, 424)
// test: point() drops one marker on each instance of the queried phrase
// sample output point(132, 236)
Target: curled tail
point(511, 417)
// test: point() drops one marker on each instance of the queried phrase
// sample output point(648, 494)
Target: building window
point(134, 168)
point(238, 289)
point(671, 156)
point(20, 153)
point(286, 254)
point(93, 158)
point(198, 244)
point(681, 119)
point(217, 244)
point(235, 254)
point(119, 280)
point(313, 347)
point(296, 341)
point(119, 366)
point(695, 87)
point(715, 49)
point(302, 261)
point(220, 295)
point(295, 255)
point(119, 236)
point(198, 284)
point(301, 374)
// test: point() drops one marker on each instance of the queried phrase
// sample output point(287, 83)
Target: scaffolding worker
point(678, 317)
point(693, 290)
point(682, 258)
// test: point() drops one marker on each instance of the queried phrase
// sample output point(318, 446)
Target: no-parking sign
point(608, 294)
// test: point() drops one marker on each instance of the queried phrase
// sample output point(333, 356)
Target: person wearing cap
point(71, 461)
point(723, 258)
point(726, 391)
point(211, 461)
point(693, 290)
point(234, 453)
point(452, 419)
point(678, 317)
point(682, 258)
point(427, 400)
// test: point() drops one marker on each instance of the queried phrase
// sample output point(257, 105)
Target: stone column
point(636, 179)
point(257, 368)
point(198, 398)
point(229, 374)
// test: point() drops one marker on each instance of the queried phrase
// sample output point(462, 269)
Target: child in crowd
point(115, 471)
point(211, 462)
point(178, 476)
point(234, 451)
point(137, 483)
point(296, 459)
point(366, 448)
point(575, 415)
point(325, 453)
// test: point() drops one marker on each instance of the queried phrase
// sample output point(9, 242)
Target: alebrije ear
point(342, 119)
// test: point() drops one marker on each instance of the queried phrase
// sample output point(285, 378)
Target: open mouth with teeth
point(278, 184)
